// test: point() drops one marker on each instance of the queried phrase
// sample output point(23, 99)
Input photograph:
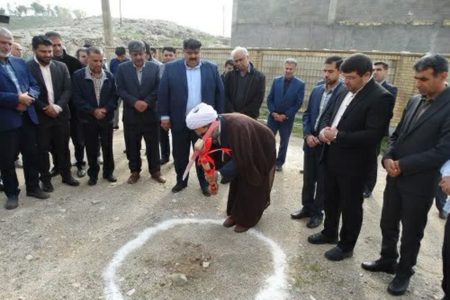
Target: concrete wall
point(384, 25)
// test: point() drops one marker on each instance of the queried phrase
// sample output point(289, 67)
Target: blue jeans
point(285, 129)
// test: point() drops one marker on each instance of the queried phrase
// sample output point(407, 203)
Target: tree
point(79, 14)
point(38, 8)
point(21, 10)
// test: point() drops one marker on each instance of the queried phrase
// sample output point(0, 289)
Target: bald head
point(16, 50)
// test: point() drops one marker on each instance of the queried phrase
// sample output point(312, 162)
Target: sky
point(206, 15)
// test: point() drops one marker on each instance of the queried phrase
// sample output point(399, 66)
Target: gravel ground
point(59, 248)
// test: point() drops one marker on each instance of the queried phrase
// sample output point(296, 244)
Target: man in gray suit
point(137, 84)
point(53, 111)
point(419, 147)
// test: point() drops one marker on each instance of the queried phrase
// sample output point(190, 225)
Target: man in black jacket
point(76, 131)
point(53, 111)
point(94, 94)
point(245, 86)
point(351, 131)
point(419, 147)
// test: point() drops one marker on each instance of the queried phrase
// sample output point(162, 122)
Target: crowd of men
point(54, 98)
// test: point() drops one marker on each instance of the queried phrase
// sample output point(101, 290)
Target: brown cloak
point(254, 153)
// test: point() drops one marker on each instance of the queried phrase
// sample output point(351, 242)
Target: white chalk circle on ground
point(276, 284)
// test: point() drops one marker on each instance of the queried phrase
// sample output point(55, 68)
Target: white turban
point(201, 115)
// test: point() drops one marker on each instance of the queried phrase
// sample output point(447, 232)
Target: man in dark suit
point(18, 121)
point(137, 84)
point(322, 98)
point(53, 111)
point(284, 101)
point(419, 146)
point(245, 86)
point(76, 131)
point(169, 54)
point(380, 74)
point(351, 131)
point(95, 97)
point(186, 83)
point(444, 184)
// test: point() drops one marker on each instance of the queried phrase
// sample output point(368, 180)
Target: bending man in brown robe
point(250, 165)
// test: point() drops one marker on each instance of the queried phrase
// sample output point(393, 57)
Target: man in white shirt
point(53, 111)
point(351, 131)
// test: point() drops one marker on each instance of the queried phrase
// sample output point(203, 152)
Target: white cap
point(201, 115)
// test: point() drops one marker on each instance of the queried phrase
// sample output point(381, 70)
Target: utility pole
point(107, 23)
point(120, 12)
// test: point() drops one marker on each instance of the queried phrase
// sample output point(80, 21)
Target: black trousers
point(411, 210)
point(54, 136)
point(133, 136)
point(182, 141)
point(313, 192)
point(164, 143)
point(446, 260)
point(24, 140)
point(343, 195)
point(97, 135)
point(78, 140)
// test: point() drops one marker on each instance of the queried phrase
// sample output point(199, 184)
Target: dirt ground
point(59, 248)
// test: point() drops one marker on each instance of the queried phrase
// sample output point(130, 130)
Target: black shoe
point(81, 173)
point(164, 161)
point(314, 222)
point(12, 202)
point(69, 180)
point(380, 266)
point(398, 285)
point(225, 180)
point(178, 187)
point(92, 181)
point(300, 214)
point(47, 186)
point(115, 127)
point(38, 193)
point(367, 194)
point(54, 172)
point(442, 215)
point(206, 192)
point(278, 168)
point(319, 238)
point(337, 254)
point(110, 178)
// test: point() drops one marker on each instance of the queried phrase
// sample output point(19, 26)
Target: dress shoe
point(47, 186)
point(225, 180)
point(314, 222)
point(158, 178)
point(380, 266)
point(54, 172)
point(367, 194)
point(69, 180)
point(442, 215)
point(164, 161)
point(319, 238)
point(134, 177)
point(110, 178)
point(12, 202)
point(38, 193)
point(81, 173)
point(178, 187)
point(92, 181)
point(115, 127)
point(229, 222)
point(300, 214)
point(206, 192)
point(398, 285)
point(239, 228)
point(278, 168)
point(337, 254)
